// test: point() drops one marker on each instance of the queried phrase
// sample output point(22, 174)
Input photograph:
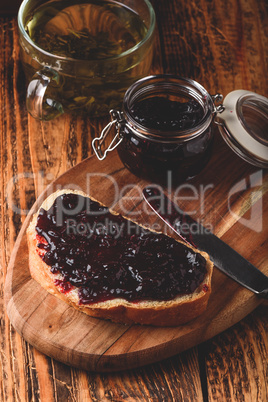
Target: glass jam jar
point(165, 133)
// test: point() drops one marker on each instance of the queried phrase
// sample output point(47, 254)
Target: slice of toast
point(181, 309)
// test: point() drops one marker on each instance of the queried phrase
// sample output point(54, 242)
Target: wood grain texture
point(243, 351)
point(224, 46)
point(76, 339)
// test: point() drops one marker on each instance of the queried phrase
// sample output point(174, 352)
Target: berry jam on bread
point(107, 266)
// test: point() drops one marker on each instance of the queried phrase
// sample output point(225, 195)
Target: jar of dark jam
point(165, 133)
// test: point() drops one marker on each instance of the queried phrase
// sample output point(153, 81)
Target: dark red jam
point(161, 160)
point(163, 114)
point(107, 256)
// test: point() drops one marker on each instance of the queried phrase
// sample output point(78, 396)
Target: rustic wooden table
point(222, 45)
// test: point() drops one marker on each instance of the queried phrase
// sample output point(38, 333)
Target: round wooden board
point(76, 339)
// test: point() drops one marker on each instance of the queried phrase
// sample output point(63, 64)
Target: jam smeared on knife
point(107, 256)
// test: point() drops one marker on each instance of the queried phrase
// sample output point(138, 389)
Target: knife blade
point(194, 233)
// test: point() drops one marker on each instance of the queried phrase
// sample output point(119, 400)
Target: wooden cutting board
point(76, 339)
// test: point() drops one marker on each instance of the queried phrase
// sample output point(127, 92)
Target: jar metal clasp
point(218, 106)
point(116, 120)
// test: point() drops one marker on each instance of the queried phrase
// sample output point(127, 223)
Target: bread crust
point(174, 312)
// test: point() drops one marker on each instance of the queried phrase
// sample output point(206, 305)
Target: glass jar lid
point(243, 123)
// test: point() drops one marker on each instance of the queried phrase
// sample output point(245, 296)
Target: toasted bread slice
point(181, 309)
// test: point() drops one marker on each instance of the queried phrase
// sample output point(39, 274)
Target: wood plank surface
point(93, 344)
point(223, 45)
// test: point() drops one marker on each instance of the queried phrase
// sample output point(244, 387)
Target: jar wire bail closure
point(117, 119)
point(217, 99)
point(166, 125)
point(97, 142)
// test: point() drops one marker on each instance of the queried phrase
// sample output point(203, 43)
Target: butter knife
point(192, 232)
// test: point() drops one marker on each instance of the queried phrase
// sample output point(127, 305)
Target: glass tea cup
point(82, 56)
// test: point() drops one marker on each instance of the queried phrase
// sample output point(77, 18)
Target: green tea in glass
point(83, 55)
